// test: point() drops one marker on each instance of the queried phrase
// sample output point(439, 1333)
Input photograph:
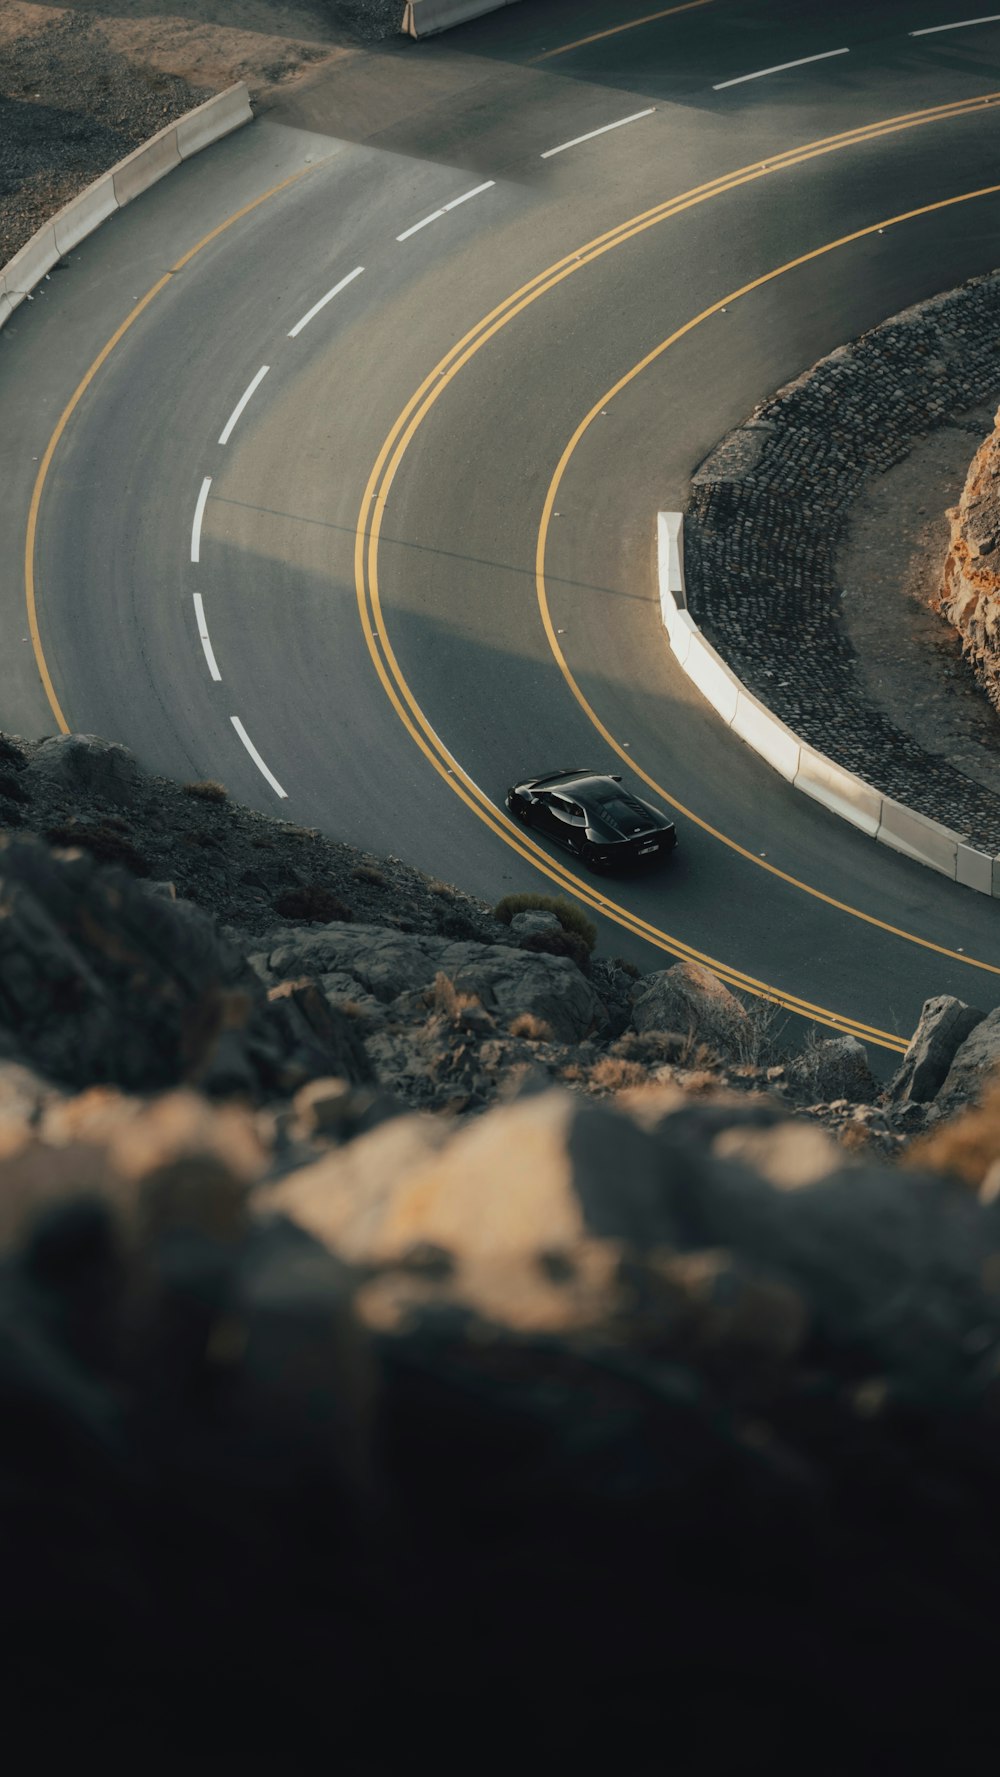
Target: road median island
point(756, 600)
point(891, 823)
point(423, 18)
point(207, 123)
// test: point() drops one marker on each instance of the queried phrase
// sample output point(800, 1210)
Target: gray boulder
point(85, 765)
point(688, 998)
point(944, 1025)
point(976, 1059)
point(835, 1068)
point(532, 921)
point(102, 982)
point(389, 965)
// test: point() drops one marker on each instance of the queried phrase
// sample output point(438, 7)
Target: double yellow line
point(387, 463)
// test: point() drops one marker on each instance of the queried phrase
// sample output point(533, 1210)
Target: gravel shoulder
point(80, 89)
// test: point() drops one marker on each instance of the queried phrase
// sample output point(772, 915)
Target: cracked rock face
point(970, 587)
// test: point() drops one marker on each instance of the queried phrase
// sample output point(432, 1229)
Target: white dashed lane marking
point(255, 756)
point(991, 18)
point(199, 611)
point(779, 68)
point(321, 304)
point(199, 513)
point(443, 211)
point(589, 137)
point(241, 403)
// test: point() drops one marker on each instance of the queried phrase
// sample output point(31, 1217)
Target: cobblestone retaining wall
point(768, 514)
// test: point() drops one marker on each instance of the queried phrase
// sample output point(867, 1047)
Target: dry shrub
point(107, 846)
point(313, 902)
point(445, 997)
point(571, 917)
point(630, 968)
point(369, 873)
point(444, 889)
point(967, 1145)
point(206, 790)
point(559, 944)
point(573, 1073)
point(534, 1030)
point(855, 1138)
point(613, 1074)
point(700, 1080)
point(651, 1046)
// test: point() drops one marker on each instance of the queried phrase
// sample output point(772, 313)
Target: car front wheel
point(589, 856)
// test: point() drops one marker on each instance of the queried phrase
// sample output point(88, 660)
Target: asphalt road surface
point(338, 454)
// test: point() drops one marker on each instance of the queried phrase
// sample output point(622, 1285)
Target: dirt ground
point(909, 659)
point(82, 85)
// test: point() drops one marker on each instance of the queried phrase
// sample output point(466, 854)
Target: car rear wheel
point(589, 856)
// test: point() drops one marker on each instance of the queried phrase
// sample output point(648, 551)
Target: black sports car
point(594, 817)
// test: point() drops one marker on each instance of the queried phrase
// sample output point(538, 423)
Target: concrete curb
point(219, 115)
point(421, 18)
point(801, 765)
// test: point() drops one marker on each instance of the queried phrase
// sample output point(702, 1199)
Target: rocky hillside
point(420, 1330)
point(969, 597)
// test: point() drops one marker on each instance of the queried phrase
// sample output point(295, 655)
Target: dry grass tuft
point(445, 997)
point(855, 1138)
point(369, 873)
point(532, 1029)
point(614, 1074)
point(206, 790)
point(967, 1145)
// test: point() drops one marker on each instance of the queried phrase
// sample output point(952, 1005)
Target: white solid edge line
point(255, 756)
point(992, 18)
point(321, 304)
point(589, 137)
point(241, 403)
point(487, 185)
point(779, 68)
point(199, 611)
point(199, 513)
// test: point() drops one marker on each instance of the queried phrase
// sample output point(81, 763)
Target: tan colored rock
point(969, 598)
point(518, 1199)
point(690, 999)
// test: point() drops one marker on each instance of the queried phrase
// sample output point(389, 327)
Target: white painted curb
point(114, 189)
point(421, 18)
point(800, 764)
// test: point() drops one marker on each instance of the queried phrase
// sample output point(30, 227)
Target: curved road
point(417, 560)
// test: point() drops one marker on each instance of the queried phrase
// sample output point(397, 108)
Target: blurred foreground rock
point(415, 1344)
point(662, 1424)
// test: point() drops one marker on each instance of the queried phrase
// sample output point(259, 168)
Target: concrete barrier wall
point(800, 764)
point(421, 18)
point(135, 174)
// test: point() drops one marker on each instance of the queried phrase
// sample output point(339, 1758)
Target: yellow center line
point(550, 631)
point(371, 511)
point(369, 530)
point(616, 30)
